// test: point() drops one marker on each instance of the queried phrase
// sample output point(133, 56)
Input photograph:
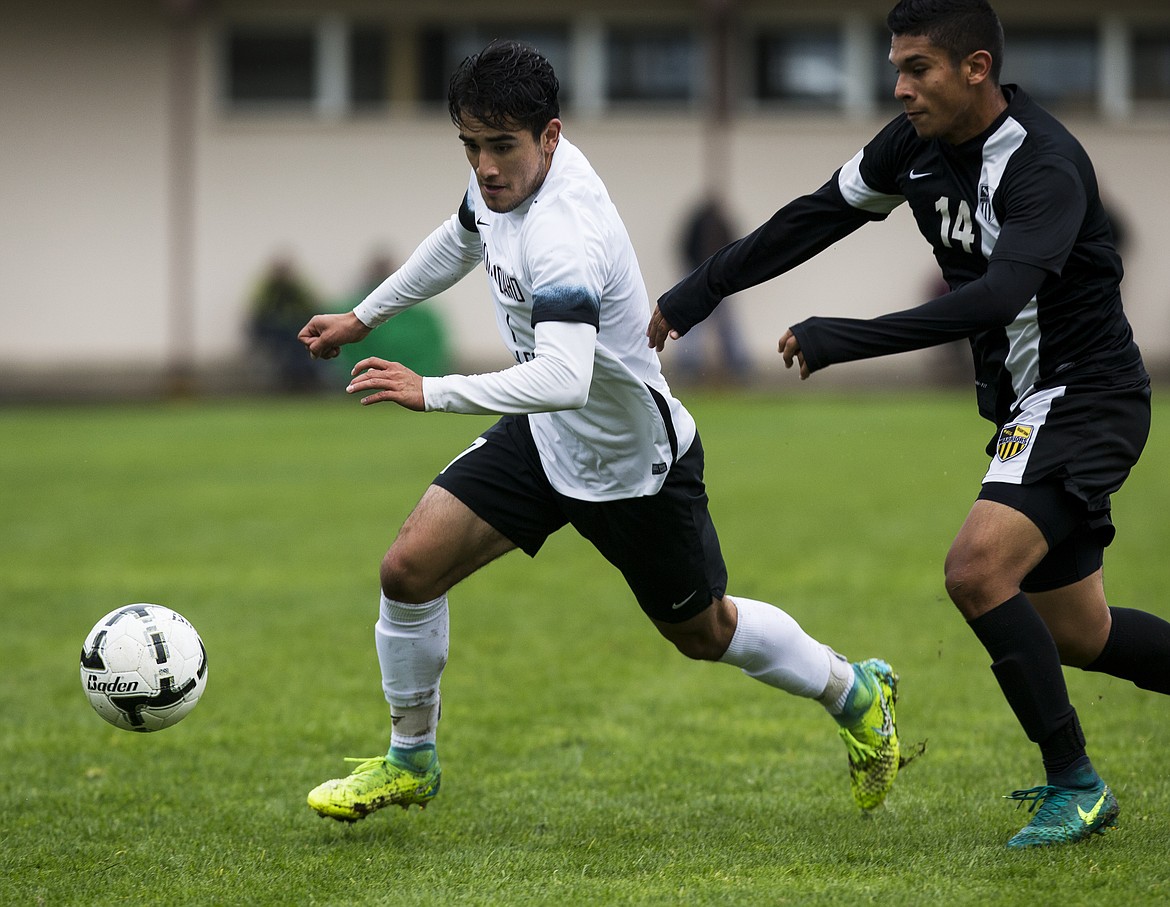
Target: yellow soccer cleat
point(872, 740)
point(393, 779)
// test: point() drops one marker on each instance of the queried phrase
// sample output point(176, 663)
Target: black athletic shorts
point(1058, 462)
point(665, 545)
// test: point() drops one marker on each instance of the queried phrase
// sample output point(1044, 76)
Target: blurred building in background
point(157, 153)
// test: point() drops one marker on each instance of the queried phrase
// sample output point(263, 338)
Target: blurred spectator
point(417, 337)
point(282, 302)
point(1120, 227)
point(707, 230)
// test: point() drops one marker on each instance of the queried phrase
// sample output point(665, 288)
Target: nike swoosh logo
point(1091, 816)
point(675, 607)
point(482, 222)
point(918, 176)
point(887, 727)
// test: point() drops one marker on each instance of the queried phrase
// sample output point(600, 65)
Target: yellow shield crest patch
point(1013, 440)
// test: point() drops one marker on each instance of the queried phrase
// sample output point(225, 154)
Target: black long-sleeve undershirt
point(800, 230)
point(993, 300)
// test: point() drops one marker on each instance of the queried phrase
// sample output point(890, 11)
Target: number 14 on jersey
point(959, 227)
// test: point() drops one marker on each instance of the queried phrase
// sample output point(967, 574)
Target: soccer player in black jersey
point(1009, 202)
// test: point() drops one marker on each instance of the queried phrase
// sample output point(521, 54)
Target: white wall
point(84, 266)
point(82, 183)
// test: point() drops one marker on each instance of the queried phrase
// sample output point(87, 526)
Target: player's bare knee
point(969, 569)
point(407, 579)
point(967, 584)
point(1076, 653)
point(704, 637)
point(699, 646)
point(1078, 645)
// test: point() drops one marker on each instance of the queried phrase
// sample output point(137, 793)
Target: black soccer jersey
point(1020, 199)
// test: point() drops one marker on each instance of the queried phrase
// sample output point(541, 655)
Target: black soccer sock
point(1027, 667)
point(1065, 762)
point(1138, 650)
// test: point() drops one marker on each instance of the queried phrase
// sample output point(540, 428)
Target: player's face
point(509, 164)
point(939, 97)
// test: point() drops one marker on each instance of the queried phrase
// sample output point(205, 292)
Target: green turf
point(584, 761)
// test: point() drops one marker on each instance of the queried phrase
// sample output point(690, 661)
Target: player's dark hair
point(504, 85)
point(960, 27)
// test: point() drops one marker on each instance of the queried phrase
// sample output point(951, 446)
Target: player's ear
point(978, 67)
point(550, 136)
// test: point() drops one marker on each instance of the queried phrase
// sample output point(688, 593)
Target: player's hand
point(790, 349)
point(390, 382)
point(659, 330)
point(325, 335)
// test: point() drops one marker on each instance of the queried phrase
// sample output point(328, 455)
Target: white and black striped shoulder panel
point(859, 195)
point(997, 152)
point(467, 215)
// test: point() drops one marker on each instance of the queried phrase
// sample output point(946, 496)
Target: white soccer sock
point(412, 645)
point(841, 683)
point(769, 645)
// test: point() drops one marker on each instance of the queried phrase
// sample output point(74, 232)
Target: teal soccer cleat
point(1065, 814)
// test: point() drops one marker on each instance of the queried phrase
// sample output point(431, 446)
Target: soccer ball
point(143, 667)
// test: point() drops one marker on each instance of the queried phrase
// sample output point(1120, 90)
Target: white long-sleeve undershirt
point(441, 260)
point(557, 378)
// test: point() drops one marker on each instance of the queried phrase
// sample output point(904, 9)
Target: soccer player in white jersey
point(589, 435)
point(1008, 200)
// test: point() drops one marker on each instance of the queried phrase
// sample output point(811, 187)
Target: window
point(327, 65)
point(885, 76)
point(368, 65)
point(651, 64)
point(441, 51)
point(271, 65)
point(1151, 66)
point(1057, 68)
point(801, 65)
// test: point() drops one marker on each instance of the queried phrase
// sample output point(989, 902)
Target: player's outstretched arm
point(325, 335)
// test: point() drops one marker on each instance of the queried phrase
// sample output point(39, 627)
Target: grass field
point(585, 762)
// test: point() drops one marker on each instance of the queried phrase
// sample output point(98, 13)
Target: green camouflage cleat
point(1066, 814)
point(873, 741)
point(377, 782)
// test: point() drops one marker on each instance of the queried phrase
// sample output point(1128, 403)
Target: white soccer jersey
point(560, 261)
